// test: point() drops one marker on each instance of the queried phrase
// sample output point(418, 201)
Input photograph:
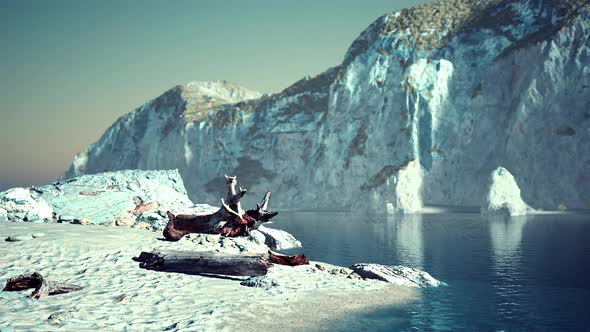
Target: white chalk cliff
point(426, 103)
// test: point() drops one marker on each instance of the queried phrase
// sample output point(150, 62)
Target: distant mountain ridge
point(426, 102)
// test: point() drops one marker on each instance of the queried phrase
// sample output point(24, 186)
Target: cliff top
point(431, 26)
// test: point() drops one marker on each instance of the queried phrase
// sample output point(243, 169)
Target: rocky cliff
point(426, 103)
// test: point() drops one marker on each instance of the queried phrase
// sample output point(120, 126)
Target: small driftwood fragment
point(194, 262)
point(42, 286)
point(230, 220)
point(287, 260)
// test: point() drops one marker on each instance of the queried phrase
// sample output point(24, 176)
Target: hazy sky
point(69, 69)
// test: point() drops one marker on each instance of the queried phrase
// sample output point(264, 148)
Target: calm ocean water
point(523, 274)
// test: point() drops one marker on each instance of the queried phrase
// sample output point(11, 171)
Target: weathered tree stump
point(191, 262)
point(42, 286)
point(230, 220)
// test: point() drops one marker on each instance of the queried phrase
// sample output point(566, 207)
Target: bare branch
point(230, 210)
point(265, 200)
point(231, 185)
point(235, 199)
point(42, 286)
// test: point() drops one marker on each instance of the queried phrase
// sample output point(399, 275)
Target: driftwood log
point(191, 262)
point(230, 220)
point(42, 286)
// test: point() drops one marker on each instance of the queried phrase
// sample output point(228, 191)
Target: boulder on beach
point(265, 282)
point(397, 275)
point(277, 239)
point(503, 195)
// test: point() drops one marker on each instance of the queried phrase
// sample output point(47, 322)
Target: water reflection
point(431, 310)
point(409, 239)
point(519, 274)
point(506, 235)
point(509, 285)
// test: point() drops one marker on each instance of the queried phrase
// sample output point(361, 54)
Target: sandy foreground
point(100, 259)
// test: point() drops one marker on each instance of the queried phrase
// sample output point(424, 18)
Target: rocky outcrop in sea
point(503, 195)
point(397, 275)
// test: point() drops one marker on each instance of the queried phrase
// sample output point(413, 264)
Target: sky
point(70, 68)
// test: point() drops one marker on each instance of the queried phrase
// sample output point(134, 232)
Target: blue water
point(523, 274)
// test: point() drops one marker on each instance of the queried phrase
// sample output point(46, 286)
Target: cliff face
point(427, 102)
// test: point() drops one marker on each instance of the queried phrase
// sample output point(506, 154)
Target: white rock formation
point(407, 191)
point(397, 275)
point(122, 198)
point(440, 85)
point(503, 195)
point(21, 204)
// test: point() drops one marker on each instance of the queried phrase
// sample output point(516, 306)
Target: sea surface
point(520, 274)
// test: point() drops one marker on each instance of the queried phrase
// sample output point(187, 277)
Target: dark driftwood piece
point(287, 260)
point(215, 263)
point(230, 220)
point(204, 262)
point(42, 286)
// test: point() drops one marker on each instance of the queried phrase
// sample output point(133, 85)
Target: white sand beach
point(120, 296)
